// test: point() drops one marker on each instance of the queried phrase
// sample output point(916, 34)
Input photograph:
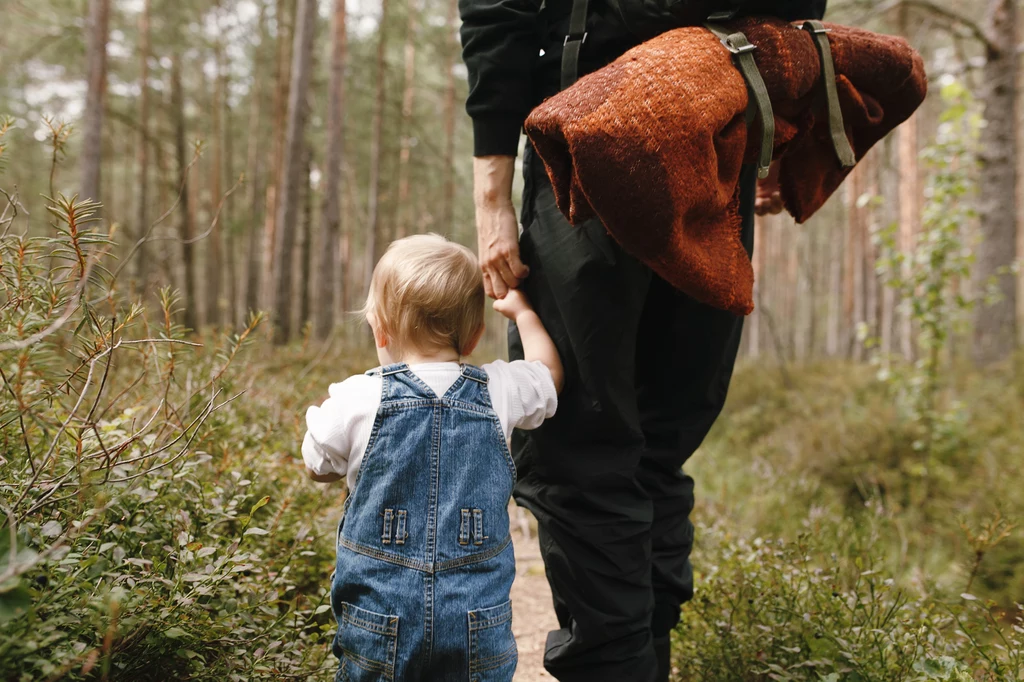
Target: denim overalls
point(425, 560)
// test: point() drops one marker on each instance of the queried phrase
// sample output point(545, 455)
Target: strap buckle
point(575, 37)
point(813, 26)
point(737, 49)
point(722, 16)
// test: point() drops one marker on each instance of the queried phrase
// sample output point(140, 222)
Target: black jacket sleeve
point(500, 45)
point(790, 10)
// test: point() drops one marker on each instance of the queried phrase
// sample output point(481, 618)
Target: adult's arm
point(497, 226)
point(500, 45)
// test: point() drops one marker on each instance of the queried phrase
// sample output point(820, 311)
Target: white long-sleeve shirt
point(338, 431)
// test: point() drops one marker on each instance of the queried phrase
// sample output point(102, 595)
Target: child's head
point(426, 297)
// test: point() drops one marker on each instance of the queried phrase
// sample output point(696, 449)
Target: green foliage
point(798, 611)
point(823, 461)
point(930, 278)
point(151, 527)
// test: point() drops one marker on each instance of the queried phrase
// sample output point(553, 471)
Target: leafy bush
point(795, 611)
point(155, 524)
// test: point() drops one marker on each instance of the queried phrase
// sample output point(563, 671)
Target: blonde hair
point(427, 293)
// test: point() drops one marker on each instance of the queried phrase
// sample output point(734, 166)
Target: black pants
point(647, 371)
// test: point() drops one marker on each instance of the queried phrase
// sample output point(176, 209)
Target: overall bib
point(425, 561)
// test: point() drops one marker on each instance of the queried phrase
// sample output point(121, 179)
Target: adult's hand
point(497, 227)
point(769, 197)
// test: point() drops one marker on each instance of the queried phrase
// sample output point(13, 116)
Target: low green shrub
point(810, 489)
point(155, 523)
point(798, 611)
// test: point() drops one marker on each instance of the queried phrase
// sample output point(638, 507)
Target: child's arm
point(324, 478)
point(537, 344)
point(325, 448)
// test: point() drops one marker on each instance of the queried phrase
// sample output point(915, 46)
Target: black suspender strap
point(743, 55)
point(828, 73)
point(573, 42)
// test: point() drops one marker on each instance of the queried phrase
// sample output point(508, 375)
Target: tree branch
point(951, 17)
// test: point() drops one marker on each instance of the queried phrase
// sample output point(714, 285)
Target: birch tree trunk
point(995, 322)
point(330, 267)
point(288, 204)
point(92, 125)
point(142, 151)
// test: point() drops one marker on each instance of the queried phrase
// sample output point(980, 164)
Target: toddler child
point(424, 558)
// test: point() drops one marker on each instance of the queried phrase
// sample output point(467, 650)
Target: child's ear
point(380, 335)
point(474, 342)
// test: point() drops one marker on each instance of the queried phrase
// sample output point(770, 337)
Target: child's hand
point(513, 304)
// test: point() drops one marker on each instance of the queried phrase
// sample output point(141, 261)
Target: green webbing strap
point(743, 54)
point(573, 42)
point(828, 74)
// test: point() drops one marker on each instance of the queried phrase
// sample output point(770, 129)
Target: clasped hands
point(497, 225)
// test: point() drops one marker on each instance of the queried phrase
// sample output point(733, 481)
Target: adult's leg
point(685, 356)
point(577, 471)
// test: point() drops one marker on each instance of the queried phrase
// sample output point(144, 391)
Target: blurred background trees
point(301, 135)
point(322, 130)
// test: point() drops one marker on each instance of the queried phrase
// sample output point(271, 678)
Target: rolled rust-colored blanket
point(652, 144)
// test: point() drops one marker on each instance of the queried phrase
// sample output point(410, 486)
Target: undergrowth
point(812, 561)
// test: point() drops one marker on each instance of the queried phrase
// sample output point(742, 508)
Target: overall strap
point(388, 370)
point(475, 373)
point(828, 73)
point(398, 382)
point(573, 42)
point(743, 55)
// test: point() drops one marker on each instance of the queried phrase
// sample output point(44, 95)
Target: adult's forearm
point(492, 181)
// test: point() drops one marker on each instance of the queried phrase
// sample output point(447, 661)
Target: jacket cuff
point(496, 136)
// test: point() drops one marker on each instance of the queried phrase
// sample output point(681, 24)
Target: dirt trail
point(533, 616)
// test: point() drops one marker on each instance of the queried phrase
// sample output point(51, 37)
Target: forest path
point(533, 616)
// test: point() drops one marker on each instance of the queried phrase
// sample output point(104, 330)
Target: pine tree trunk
point(855, 261)
point(214, 260)
point(1020, 199)
point(92, 127)
point(330, 267)
point(285, 21)
point(995, 330)
point(891, 214)
point(405, 212)
point(230, 311)
point(452, 50)
point(165, 180)
point(835, 293)
point(306, 251)
point(184, 209)
point(288, 204)
point(910, 206)
point(142, 151)
point(255, 170)
point(373, 207)
point(869, 228)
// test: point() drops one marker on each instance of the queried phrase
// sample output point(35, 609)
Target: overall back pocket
point(492, 647)
point(365, 645)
